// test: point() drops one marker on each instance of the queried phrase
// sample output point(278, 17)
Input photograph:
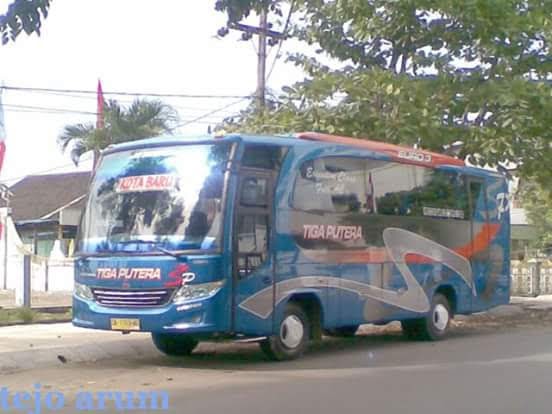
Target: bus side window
point(252, 231)
point(254, 192)
point(478, 207)
point(252, 242)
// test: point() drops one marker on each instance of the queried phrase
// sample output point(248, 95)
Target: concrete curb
point(45, 322)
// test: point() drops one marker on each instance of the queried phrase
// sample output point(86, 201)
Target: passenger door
point(253, 299)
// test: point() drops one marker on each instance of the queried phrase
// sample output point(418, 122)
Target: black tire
point(286, 345)
point(412, 328)
point(343, 331)
point(434, 326)
point(174, 344)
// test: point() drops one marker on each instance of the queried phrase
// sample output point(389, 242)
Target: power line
point(121, 93)
point(61, 111)
point(39, 112)
point(47, 109)
point(43, 112)
point(58, 111)
point(124, 101)
point(58, 167)
point(284, 32)
point(199, 118)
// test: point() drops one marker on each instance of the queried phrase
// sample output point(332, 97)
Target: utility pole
point(266, 36)
point(5, 194)
point(261, 62)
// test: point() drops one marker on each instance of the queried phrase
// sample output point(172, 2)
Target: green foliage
point(23, 16)
point(25, 314)
point(425, 72)
point(537, 202)
point(143, 119)
point(240, 9)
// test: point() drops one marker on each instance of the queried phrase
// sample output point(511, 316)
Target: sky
point(147, 46)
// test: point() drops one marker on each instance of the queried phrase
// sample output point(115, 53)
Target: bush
point(27, 315)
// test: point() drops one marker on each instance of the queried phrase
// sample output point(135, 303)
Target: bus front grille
point(138, 298)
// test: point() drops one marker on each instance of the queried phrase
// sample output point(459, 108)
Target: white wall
point(60, 269)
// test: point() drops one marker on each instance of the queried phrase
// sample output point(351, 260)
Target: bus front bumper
point(197, 316)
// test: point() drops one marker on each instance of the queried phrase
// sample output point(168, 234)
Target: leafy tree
point(425, 72)
point(143, 119)
point(537, 202)
point(240, 9)
point(23, 16)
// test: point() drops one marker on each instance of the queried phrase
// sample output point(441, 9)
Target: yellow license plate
point(125, 324)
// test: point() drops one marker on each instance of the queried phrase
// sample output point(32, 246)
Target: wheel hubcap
point(440, 317)
point(291, 331)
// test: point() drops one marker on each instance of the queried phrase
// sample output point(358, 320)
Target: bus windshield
point(169, 197)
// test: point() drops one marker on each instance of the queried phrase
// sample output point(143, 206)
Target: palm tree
point(142, 119)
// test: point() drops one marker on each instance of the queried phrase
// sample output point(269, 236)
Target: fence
point(529, 278)
point(52, 276)
point(532, 277)
point(47, 275)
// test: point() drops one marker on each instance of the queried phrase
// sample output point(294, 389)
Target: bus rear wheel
point(292, 337)
point(435, 325)
point(174, 344)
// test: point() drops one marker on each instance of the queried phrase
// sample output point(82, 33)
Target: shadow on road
point(358, 351)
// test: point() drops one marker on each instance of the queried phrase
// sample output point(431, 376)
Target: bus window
point(443, 194)
point(254, 192)
point(421, 192)
point(252, 242)
point(334, 185)
point(374, 195)
point(253, 215)
point(263, 157)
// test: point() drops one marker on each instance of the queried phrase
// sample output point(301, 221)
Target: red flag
point(100, 110)
point(2, 132)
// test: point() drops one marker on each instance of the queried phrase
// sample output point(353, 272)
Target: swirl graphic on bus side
point(398, 243)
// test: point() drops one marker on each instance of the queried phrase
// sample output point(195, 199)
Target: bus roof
point(395, 152)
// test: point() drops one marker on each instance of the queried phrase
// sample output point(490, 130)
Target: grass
point(27, 315)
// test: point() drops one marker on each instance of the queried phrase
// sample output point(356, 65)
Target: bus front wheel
point(174, 344)
point(292, 337)
point(435, 325)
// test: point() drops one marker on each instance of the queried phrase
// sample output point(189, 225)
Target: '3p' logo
point(180, 276)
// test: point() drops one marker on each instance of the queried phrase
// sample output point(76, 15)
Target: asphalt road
point(474, 371)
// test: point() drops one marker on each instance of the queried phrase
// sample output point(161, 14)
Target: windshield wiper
point(131, 241)
point(167, 252)
point(155, 246)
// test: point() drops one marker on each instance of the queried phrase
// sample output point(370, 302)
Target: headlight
point(201, 290)
point(83, 292)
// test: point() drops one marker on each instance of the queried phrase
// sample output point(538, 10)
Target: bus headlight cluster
point(83, 292)
point(198, 291)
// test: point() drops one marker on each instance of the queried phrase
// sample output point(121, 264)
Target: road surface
point(476, 370)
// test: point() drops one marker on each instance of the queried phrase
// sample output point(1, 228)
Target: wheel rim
point(291, 331)
point(440, 317)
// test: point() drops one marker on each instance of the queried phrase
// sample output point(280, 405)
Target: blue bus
point(283, 239)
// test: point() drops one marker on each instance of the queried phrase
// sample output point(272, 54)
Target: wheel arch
point(449, 292)
point(311, 303)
